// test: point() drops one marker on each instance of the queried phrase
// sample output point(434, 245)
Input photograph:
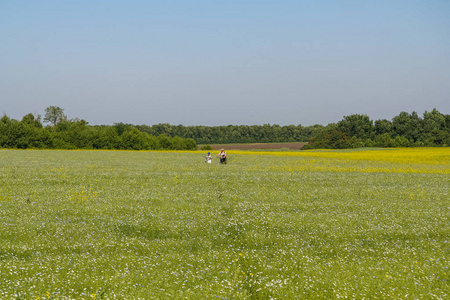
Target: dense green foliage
point(77, 134)
point(165, 225)
point(239, 134)
point(353, 131)
point(405, 130)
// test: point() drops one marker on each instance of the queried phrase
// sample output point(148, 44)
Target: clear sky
point(224, 62)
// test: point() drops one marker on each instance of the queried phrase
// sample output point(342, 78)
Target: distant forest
point(404, 130)
point(64, 133)
point(353, 131)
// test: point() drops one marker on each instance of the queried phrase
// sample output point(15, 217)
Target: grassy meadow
point(355, 224)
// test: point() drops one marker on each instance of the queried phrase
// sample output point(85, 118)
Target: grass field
point(357, 224)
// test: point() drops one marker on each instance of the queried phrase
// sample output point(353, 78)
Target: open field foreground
point(357, 224)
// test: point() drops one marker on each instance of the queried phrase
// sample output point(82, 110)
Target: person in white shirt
point(208, 158)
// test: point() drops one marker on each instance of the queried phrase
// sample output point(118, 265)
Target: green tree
point(382, 127)
point(32, 120)
point(434, 128)
point(134, 139)
point(359, 126)
point(74, 134)
point(106, 138)
point(383, 140)
point(164, 141)
point(400, 141)
point(407, 125)
point(163, 128)
point(190, 144)
point(177, 143)
point(54, 115)
point(122, 127)
point(331, 138)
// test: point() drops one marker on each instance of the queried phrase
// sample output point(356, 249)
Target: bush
point(206, 147)
point(369, 143)
point(384, 140)
point(354, 142)
point(191, 144)
point(401, 141)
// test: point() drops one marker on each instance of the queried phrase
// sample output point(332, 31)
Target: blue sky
point(224, 62)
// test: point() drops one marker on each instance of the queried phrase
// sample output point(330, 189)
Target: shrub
point(401, 141)
point(384, 140)
point(369, 143)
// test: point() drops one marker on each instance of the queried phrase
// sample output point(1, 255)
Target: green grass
point(165, 225)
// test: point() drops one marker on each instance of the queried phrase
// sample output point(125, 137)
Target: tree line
point(353, 131)
point(236, 134)
point(404, 130)
point(62, 133)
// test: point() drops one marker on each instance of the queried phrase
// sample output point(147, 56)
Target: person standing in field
point(222, 156)
point(208, 158)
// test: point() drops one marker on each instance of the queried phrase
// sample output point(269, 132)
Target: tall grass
point(165, 225)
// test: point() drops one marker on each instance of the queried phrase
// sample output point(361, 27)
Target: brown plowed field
point(269, 146)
